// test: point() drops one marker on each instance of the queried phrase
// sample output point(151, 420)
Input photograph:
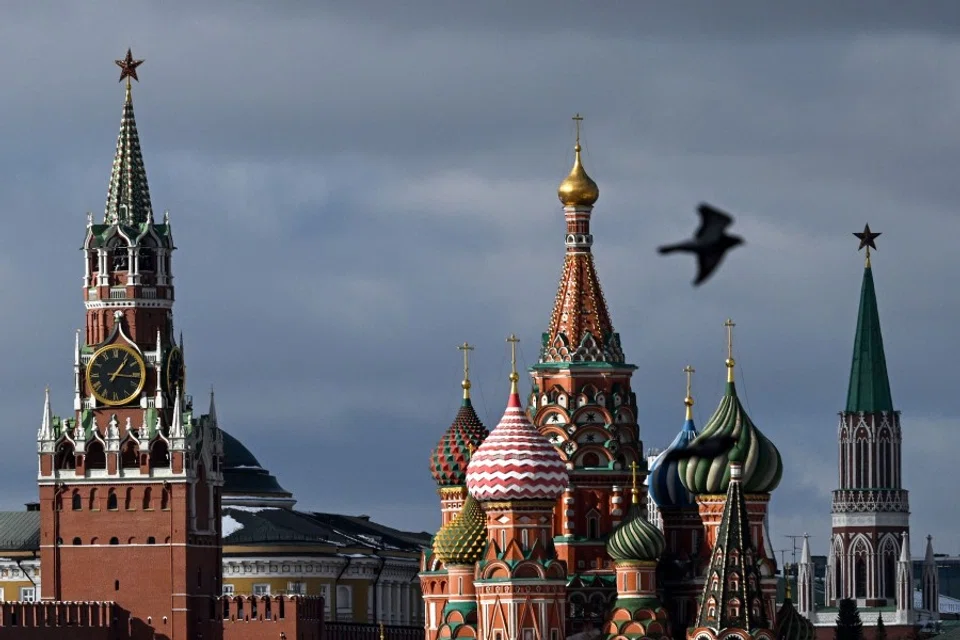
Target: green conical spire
point(869, 389)
point(128, 197)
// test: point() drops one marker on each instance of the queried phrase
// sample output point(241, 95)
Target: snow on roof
point(229, 526)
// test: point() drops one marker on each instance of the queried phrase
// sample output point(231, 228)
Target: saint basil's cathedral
point(545, 531)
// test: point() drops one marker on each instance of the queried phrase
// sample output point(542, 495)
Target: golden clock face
point(174, 370)
point(116, 374)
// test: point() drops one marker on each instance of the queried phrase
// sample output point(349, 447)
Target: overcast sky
point(356, 189)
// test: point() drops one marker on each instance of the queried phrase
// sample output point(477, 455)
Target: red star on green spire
point(866, 238)
point(128, 67)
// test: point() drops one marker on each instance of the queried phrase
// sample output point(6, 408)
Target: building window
point(228, 590)
point(297, 588)
point(344, 605)
point(554, 634)
point(112, 501)
point(28, 594)
point(77, 501)
point(261, 589)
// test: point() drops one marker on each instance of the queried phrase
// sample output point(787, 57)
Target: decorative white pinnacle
point(805, 553)
point(46, 424)
point(212, 413)
point(176, 429)
point(905, 548)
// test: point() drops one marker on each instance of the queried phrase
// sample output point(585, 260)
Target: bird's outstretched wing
point(707, 263)
point(712, 221)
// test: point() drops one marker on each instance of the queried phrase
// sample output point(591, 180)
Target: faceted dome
point(762, 464)
point(664, 483)
point(461, 540)
point(448, 462)
point(635, 538)
point(515, 462)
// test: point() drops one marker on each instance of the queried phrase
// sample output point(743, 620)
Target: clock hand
point(126, 375)
point(113, 376)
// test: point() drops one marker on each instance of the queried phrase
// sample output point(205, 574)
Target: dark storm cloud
point(356, 189)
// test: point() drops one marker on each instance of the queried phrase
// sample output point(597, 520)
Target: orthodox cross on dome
point(578, 119)
point(514, 376)
point(466, 348)
point(633, 491)
point(470, 449)
point(729, 324)
point(128, 69)
point(688, 400)
point(867, 238)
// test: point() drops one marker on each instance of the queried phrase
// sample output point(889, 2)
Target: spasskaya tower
point(130, 485)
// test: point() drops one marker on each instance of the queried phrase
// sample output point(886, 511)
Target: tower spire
point(688, 400)
point(730, 324)
point(466, 349)
point(869, 388)
point(46, 423)
point(578, 189)
point(128, 197)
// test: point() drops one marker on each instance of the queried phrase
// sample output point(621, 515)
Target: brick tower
point(871, 513)
point(582, 401)
point(130, 486)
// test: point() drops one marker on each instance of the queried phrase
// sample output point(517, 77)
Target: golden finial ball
point(688, 401)
point(514, 376)
point(730, 362)
point(465, 384)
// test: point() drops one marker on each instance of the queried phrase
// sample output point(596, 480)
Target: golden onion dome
point(578, 189)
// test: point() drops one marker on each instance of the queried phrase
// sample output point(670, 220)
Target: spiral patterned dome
point(635, 538)
point(790, 624)
point(762, 464)
point(516, 462)
point(461, 540)
point(448, 462)
point(664, 483)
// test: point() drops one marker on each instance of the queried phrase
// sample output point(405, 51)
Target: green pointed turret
point(869, 389)
point(128, 196)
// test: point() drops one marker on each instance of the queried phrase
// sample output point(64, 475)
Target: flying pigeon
point(706, 448)
point(710, 242)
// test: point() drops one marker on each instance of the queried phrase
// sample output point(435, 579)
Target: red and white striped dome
point(515, 462)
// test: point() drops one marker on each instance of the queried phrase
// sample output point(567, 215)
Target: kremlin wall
point(153, 523)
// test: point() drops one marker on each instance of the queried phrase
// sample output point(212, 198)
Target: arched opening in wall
point(146, 256)
point(151, 540)
point(77, 542)
point(590, 460)
point(884, 463)
point(76, 502)
point(114, 540)
point(94, 504)
point(95, 457)
point(165, 498)
point(593, 525)
point(147, 497)
point(837, 577)
point(860, 574)
point(119, 258)
point(889, 560)
point(128, 499)
point(65, 457)
point(112, 500)
point(159, 455)
point(129, 455)
point(861, 461)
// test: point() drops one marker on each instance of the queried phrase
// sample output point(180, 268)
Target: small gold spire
point(688, 401)
point(634, 492)
point(470, 450)
point(466, 348)
point(729, 324)
point(578, 189)
point(382, 635)
point(786, 577)
point(514, 376)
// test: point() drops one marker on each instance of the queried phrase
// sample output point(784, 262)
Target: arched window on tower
point(860, 574)
point(159, 455)
point(165, 498)
point(94, 504)
point(119, 259)
point(889, 559)
point(65, 457)
point(129, 458)
point(76, 501)
point(112, 500)
point(95, 458)
point(147, 258)
point(593, 525)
